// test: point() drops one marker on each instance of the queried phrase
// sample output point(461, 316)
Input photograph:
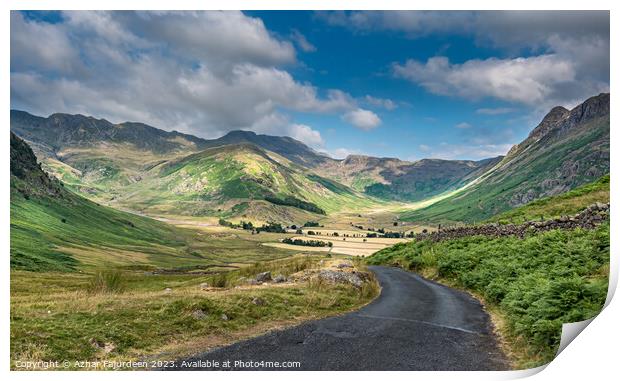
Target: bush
point(107, 282)
point(538, 283)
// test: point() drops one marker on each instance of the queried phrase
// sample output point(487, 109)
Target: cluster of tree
point(271, 227)
point(295, 202)
point(389, 234)
point(311, 242)
point(311, 224)
point(242, 224)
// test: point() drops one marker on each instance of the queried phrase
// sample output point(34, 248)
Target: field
point(349, 246)
point(59, 316)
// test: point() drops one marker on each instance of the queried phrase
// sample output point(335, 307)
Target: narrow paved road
point(415, 324)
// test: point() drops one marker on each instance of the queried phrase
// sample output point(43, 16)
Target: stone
point(204, 286)
point(263, 277)
point(106, 347)
point(167, 290)
point(199, 314)
point(258, 301)
point(344, 265)
point(340, 277)
point(279, 278)
point(224, 317)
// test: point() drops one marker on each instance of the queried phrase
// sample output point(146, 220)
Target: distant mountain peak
point(240, 133)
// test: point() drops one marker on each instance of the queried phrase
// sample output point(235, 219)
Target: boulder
point(263, 277)
point(279, 278)
point(340, 277)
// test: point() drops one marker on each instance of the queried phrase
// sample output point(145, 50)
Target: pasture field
point(342, 245)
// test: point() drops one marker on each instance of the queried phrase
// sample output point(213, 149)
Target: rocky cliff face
point(27, 177)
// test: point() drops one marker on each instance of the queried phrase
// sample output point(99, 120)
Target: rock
point(263, 277)
point(340, 277)
point(106, 347)
point(344, 265)
point(224, 317)
point(279, 278)
point(199, 314)
point(252, 282)
point(167, 290)
point(258, 301)
point(204, 286)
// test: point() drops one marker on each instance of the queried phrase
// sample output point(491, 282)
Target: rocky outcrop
point(331, 276)
point(589, 218)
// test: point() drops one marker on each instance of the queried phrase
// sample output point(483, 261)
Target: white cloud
point(204, 73)
point(306, 135)
point(362, 119)
point(495, 111)
point(424, 148)
point(579, 39)
point(302, 41)
point(341, 153)
point(463, 125)
point(386, 103)
point(524, 80)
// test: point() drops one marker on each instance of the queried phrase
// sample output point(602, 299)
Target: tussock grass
point(106, 281)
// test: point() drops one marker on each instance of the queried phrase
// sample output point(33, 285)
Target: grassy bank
point(534, 284)
point(565, 204)
point(61, 316)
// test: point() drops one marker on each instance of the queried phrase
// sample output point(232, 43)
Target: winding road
point(415, 324)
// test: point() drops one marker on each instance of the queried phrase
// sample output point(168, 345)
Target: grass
point(535, 284)
point(568, 203)
point(106, 281)
point(49, 234)
point(55, 317)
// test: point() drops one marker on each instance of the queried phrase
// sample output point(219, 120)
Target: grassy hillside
point(397, 180)
point(568, 149)
point(533, 284)
point(568, 203)
point(223, 179)
point(53, 229)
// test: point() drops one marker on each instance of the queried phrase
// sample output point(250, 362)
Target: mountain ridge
point(568, 148)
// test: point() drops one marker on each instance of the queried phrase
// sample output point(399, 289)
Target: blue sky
point(453, 85)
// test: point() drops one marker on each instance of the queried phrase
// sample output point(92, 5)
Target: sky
point(406, 84)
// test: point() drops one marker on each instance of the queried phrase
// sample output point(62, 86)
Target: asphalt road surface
point(415, 324)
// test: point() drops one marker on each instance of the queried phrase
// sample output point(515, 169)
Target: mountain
point(292, 149)
point(106, 162)
point(567, 149)
point(60, 131)
point(53, 229)
point(394, 179)
point(238, 179)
